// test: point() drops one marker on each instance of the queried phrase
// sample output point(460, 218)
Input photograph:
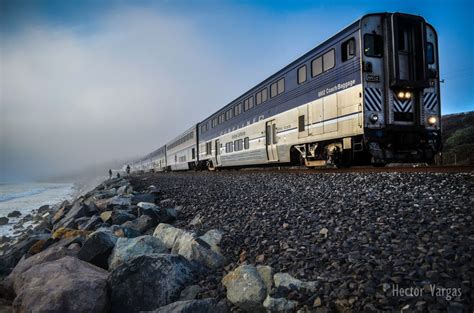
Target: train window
point(316, 66)
point(214, 122)
point(238, 109)
point(373, 45)
point(430, 58)
point(221, 118)
point(193, 153)
point(208, 148)
point(348, 49)
point(274, 134)
point(238, 145)
point(261, 96)
point(329, 60)
point(403, 40)
point(301, 123)
point(246, 143)
point(248, 103)
point(229, 147)
point(277, 87)
point(228, 114)
point(302, 74)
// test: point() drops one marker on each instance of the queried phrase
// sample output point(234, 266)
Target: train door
point(218, 151)
point(316, 117)
point(271, 141)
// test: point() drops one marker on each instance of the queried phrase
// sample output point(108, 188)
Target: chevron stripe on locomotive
point(368, 95)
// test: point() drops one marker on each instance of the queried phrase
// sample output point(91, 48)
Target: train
point(369, 95)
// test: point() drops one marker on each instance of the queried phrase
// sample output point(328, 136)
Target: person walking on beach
point(128, 169)
point(110, 174)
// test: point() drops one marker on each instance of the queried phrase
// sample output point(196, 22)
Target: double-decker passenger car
point(368, 95)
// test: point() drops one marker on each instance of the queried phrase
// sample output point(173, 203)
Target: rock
point(106, 216)
point(148, 282)
point(324, 231)
point(197, 220)
point(91, 224)
point(317, 302)
point(38, 246)
point(160, 215)
point(288, 282)
point(51, 254)
point(64, 208)
point(140, 224)
point(191, 306)
point(121, 216)
point(64, 233)
point(63, 285)
point(266, 273)
point(78, 210)
point(128, 248)
point(43, 209)
point(4, 220)
point(14, 214)
point(167, 234)
point(190, 292)
point(126, 232)
point(195, 249)
point(143, 197)
point(260, 258)
point(17, 251)
point(124, 190)
point(279, 304)
point(97, 248)
point(245, 288)
point(213, 238)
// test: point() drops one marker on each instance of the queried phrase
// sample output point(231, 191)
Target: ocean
point(26, 197)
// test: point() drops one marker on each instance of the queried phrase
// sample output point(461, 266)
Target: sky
point(85, 82)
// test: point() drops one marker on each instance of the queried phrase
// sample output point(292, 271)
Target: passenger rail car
point(181, 152)
point(368, 95)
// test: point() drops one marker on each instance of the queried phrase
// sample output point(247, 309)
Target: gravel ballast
point(361, 237)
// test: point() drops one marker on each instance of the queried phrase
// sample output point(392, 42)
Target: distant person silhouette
point(128, 169)
point(110, 174)
point(118, 175)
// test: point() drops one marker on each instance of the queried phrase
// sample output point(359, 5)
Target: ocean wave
point(22, 194)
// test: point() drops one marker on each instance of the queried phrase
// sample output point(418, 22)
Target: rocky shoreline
point(222, 242)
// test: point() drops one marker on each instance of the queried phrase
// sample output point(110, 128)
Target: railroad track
point(413, 168)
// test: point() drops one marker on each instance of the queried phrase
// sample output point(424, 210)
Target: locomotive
point(370, 94)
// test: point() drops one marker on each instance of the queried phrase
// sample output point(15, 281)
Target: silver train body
point(368, 95)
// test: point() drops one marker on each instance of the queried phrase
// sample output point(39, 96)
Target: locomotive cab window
point(373, 45)
point(302, 74)
point(348, 50)
point(430, 58)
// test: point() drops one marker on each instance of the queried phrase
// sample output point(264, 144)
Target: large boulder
point(160, 215)
point(4, 220)
point(91, 223)
point(192, 306)
point(128, 248)
point(196, 249)
point(143, 197)
point(213, 238)
point(168, 234)
point(11, 257)
point(121, 216)
point(78, 210)
point(97, 248)
point(148, 282)
point(141, 224)
point(188, 245)
point(51, 254)
point(245, 288)
point(64, 285)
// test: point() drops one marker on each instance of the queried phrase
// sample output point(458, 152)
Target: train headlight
point(374, 118)
point(432, 120)
point(404, 95)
